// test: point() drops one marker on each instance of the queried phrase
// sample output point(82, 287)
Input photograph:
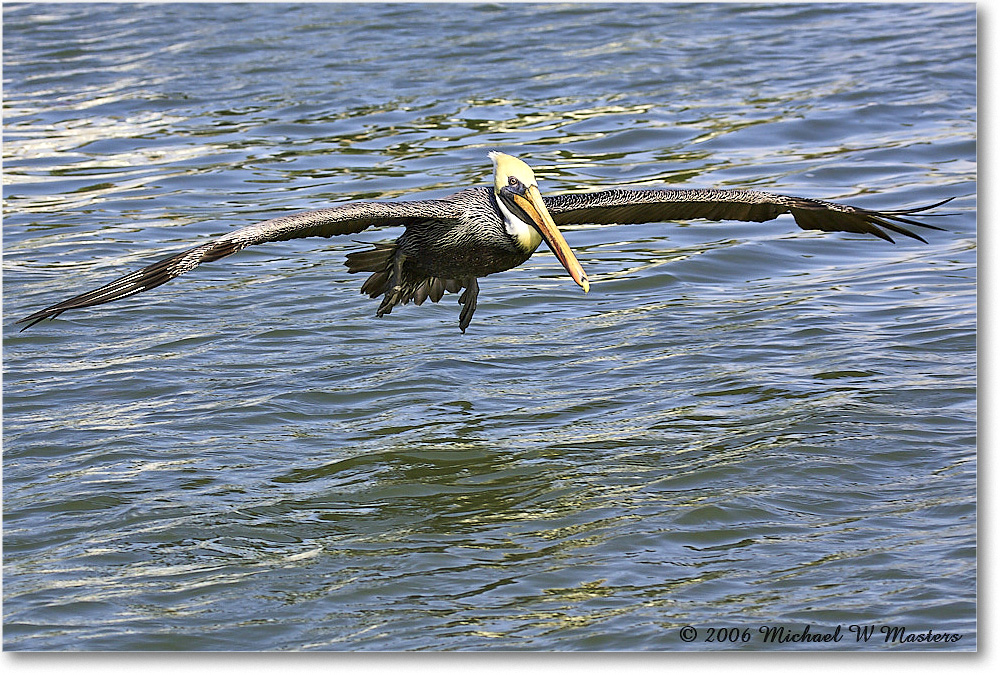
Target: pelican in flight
point(449, 243)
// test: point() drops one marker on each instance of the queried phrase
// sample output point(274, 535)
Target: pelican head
point(525, 216)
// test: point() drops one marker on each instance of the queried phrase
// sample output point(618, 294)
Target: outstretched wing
point(652, 206)
point(346, 219)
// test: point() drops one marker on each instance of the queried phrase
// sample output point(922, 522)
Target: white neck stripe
point(526, 235)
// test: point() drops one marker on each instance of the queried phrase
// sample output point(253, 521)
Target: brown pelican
point(449, 243)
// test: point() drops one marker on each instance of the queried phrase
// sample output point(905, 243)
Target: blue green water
point(740, 426)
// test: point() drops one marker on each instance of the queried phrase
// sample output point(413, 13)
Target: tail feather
point(390, 280)
point(374, 259)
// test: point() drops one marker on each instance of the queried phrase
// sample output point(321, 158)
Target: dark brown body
point(439, 255)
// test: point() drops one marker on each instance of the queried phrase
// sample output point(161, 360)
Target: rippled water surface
point(742, 425)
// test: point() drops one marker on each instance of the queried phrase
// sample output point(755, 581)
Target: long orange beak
point(534, 206)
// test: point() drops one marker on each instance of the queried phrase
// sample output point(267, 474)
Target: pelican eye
point(513, 181)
